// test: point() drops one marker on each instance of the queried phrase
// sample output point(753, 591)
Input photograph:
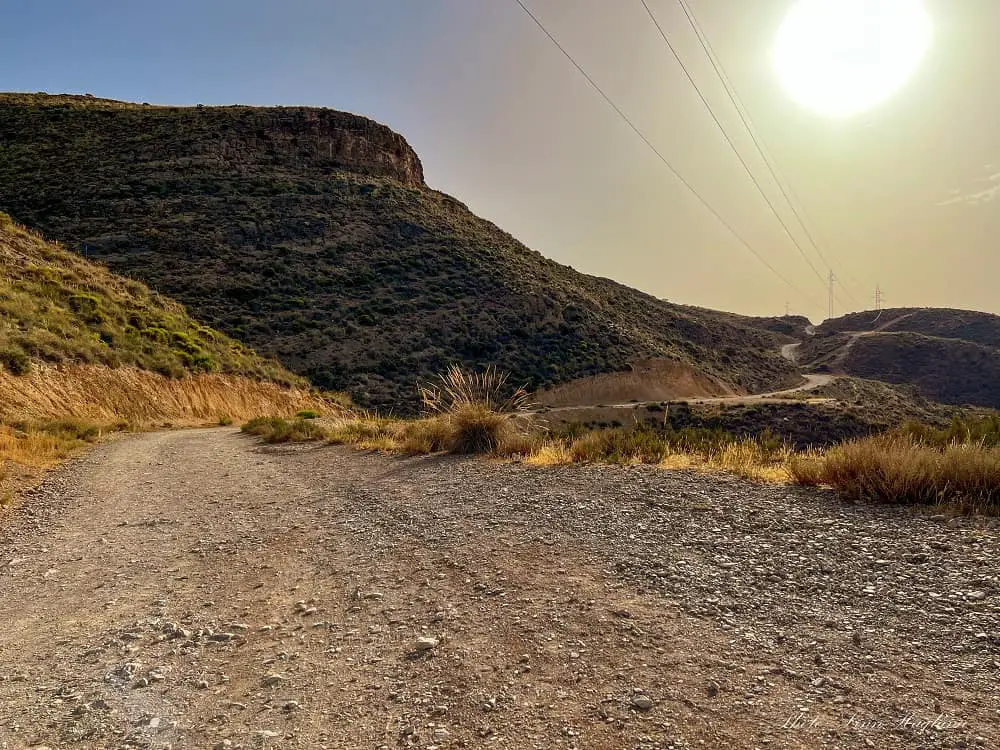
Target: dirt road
point(196, 590)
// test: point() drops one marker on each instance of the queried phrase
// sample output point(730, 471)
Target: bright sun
point(842, 57)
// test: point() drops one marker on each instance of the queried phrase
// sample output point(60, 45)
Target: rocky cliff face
point(228, 140)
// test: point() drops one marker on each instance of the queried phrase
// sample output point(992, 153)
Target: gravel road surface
point(195, 589)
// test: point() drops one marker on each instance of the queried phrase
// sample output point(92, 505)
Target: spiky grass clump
point(477, 429)
point(459, 389)
point(472, 413)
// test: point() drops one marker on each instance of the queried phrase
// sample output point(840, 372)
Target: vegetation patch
point(56, 307)
point(278, 430)
point(916, 465)
point(26, 448)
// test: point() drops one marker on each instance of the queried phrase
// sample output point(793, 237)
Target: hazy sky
point(905, 195)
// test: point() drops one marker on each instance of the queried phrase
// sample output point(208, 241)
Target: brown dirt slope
point(349, 270)
point(649, 380)
point(187, 589)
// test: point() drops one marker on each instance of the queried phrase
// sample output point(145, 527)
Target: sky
point(904, 195)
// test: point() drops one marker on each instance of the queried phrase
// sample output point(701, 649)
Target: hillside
point(77, 341)
point(310, 235)
point(56, 307)
point(966, 325)
point(951, 356)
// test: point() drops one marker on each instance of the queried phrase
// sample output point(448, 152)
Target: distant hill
point(951, 356)
point(311, 235)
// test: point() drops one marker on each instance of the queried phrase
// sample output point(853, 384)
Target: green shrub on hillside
point(15, 361)
point(57, 307)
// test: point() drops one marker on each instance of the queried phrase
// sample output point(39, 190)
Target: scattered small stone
point(291, 706)
point(712, 688)
point(425, 643)
point(272, 680)
point(642, 702)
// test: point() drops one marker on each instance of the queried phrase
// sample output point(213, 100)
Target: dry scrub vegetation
point(26, 448)
point(917, 465)
point(478, 413)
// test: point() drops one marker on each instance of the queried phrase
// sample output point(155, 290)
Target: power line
point(747, 121)
point(729, 140)
point(610, 102)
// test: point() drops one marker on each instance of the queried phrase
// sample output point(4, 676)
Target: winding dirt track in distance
point(810, 382)
point(195, 589)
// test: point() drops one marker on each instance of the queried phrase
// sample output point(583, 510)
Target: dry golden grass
point(34, 449)
point(424, 436)
point(898, 469)
point(476, 429)
point(473, 429)
point(28, 449)
point(105, 395)
point(550, 454)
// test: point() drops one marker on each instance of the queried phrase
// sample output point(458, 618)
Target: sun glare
point(842, 57)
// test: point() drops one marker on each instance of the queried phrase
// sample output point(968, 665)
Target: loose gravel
point(195, 589)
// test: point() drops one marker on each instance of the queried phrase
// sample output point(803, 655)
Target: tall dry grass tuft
point(474, 410)
point(899, 469)
point(477, 429)
point(459, 388)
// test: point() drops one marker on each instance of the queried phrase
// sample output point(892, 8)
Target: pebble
point(642, 702)
point(425, 643)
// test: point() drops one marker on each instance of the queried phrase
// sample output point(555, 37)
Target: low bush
point(477, 429)
point(15, 361)
point(278, 430)
point(308, 414)
point(424, 436)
